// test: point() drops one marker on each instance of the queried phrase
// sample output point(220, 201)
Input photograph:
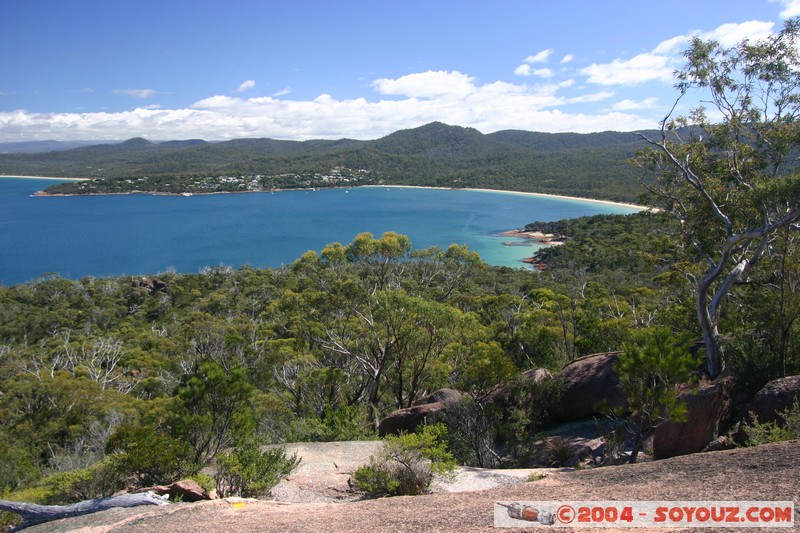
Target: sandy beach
point(521, 193)
point(563, 197)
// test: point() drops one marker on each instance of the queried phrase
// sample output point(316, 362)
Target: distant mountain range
point(589, 165)
point(30, 147)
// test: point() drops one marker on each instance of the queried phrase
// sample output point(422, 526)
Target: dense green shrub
point(100, 479)
point(148, 456)
point(345, 422)
point(407, 463)
point(250, 472)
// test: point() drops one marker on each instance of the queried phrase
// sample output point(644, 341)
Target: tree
point(394, 341)
point(651, 369)
point(214, 410)
point(732, 184)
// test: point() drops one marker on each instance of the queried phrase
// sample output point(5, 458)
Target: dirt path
point(766, 473)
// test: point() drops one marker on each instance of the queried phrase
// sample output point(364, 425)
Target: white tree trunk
point(33, 513)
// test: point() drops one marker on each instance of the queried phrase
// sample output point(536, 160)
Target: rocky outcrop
point(768, 404)
point(440, 396)
point(536, 375)
point(151, 285)
point(591, 387)
point(774, 398)
point(710, 409)
point(425, 410)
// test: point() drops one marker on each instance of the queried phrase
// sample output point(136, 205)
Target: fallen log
point(33, 513)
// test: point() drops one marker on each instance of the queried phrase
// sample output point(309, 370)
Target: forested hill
point(591, 165)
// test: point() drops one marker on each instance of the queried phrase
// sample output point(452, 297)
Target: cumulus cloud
point(568, 58)
point(660, 63)
point(428, 84)
point(638, 69)
point(527, 70)
point(447, 96)
point(136, 93)
point(523, 70)
point(245, 85)
point(283, 92)
point(791, 8)
point(630, 105)
point(541, 57)
point(732, 34)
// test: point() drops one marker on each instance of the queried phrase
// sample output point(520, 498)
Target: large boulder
point(774, 398)
point(767, 405)
point(439, 396)
point(503, 393)
point(425, 410)
point(591, 387)
point(710, 409)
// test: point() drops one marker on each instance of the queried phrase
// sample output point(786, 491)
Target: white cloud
point(283, 92)
point(541, 57)
point(791, 8)
point(523, 70)
point(136, 93)
point(526, 70)
point(675, 45)
point(245, 85)
point(630, 105)
point(447, 96)
point(660, 63)
point(639, 69)
point(568, 58)
point(590, 97)
point(428, 84)
point(729, 35)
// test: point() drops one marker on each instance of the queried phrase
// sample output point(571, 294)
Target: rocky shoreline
point(548, 239)
point(545, 239)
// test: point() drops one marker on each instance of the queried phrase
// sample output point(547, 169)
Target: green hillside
point(587, 165)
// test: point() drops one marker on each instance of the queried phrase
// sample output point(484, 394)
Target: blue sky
point(177, 69)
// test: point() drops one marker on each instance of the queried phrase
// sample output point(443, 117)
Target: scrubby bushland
point(323, 348)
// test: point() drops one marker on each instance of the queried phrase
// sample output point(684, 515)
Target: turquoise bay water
point(140, 234)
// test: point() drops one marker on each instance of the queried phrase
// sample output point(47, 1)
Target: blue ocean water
point(140, 234)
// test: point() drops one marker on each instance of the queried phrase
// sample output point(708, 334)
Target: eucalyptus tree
point(729, 174)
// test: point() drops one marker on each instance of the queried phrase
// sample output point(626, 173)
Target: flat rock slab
point(324, 472)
